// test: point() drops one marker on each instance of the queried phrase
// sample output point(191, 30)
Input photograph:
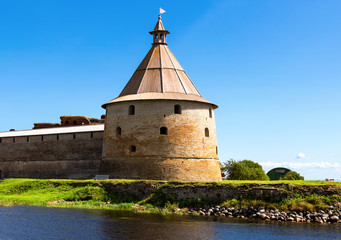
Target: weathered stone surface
point(334, 218)
point(162, 168)
point(184, 153)
point(139, 190)
point(65, 156)
point(217, 193)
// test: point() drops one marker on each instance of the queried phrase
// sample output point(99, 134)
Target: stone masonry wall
point(74, 155)
point(213, 192)
point(185, 153)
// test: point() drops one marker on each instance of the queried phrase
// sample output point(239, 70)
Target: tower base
point(170, 169)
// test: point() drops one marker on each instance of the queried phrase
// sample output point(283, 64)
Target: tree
point(292, 175)
point(244, 170)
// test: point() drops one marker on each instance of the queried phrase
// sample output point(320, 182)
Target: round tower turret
point(160, 127)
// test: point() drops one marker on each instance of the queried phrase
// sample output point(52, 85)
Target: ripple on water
point(26, 222)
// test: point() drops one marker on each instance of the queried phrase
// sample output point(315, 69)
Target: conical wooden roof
point(160, 72)
point(160, 75)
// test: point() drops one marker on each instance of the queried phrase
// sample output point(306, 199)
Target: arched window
point(27, 139)
point(210, 112)
point(132, 148)
point(66, 122)
point(216, 149)
point(161, 35)
point(131, 110)
point(74, 122)
point(177, 109)
point(207, 132)
point(163, 131)
point(118, 131)
point(74, 136)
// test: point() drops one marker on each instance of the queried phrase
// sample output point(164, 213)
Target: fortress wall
point(67, 155)
point(185, 153)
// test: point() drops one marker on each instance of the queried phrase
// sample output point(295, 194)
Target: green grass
point(295, 182)
point(68, 194)
point(310, 203)
point(93, 194)
point(241, 182)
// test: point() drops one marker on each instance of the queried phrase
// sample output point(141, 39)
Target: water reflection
point(147, 226)
point(23, 222)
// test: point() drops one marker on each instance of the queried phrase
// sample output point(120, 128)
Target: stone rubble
point(329, 216)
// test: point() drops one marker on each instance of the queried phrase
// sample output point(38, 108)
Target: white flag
point(162, 11)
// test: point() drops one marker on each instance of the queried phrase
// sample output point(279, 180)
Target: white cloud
point(300, 155)
point(310, 170)
point(301, 165)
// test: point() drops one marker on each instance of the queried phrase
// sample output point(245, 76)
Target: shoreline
point(321, 217)
point(288, 201)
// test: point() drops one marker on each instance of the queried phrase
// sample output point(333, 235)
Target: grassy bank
point(67, 193)
point(134, 195)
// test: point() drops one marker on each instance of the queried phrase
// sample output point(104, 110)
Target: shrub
point(292, 175)
point(244, 170)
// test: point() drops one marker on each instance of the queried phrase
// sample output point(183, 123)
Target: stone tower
point(160, 127)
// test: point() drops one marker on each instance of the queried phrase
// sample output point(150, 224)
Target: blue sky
point(273, 67)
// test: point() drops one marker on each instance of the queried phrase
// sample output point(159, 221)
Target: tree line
point(249, 170)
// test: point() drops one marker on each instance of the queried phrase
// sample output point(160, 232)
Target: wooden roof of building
point(57, 130)
point(160, 75)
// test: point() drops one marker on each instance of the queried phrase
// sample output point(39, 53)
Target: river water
point(26, 222)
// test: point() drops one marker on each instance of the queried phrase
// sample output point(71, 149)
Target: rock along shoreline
point(260, 213)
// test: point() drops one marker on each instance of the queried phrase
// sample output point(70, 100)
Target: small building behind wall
point(63, 152)
point(277, 173)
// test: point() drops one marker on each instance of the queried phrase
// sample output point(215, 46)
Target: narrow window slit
point(207, 132)
point(163, 131)
point(118, 131)
point(177, 109)
point(131, 110)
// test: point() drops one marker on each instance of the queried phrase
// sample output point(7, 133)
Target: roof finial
point(159, 31)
